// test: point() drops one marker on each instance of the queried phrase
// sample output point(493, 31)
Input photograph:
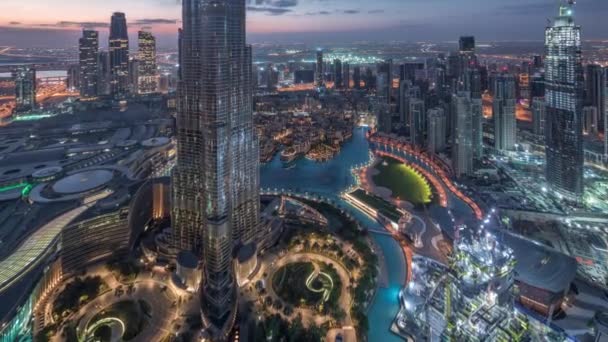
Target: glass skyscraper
point(89, 67)
point(119, 56)
point(564, 87)
point(216, 180)
point(148, 77)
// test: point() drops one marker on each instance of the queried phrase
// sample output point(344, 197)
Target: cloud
point(272, 7)
point(14, 23)
point(155, 21)
point(77, 24)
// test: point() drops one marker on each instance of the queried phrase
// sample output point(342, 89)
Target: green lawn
point(404, 182)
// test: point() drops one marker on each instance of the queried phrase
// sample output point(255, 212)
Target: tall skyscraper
point(563, 96)
point(437, 129)
point(384, 80)
point(594, 91)
point(25, 88)
point(357, 77)
point(119, 56)
point(471, 80)
point(503, 112)
point(320, 69)
point(88, 47)
point(148, 75)
point(417, 114)
point(104, 73)
point(538, 115)
point(338, 80)
point(216, 179)
point(346, 73)
point(462, 151)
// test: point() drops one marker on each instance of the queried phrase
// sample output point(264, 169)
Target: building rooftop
point(83, 182)
point(541, 266)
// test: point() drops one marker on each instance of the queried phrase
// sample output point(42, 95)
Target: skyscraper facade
point(216, 179)
point(384, 80)
point(119, 56)
point(503, 112)
point(437, 129)
point(417, 115)
point(462, 151)
point(25, 89)
point(320, 69)
point(338, 80)
point(346, 73)
point(147, 74)
point(357, 77)
point(563, 96)
point(538, 115)
point(88, 47)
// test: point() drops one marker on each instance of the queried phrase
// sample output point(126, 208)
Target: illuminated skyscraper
point(462, 151)
point(338, 80)
point(216, 180)
point(384, 80)
point(320, 69)
point(346, 73)
point(148, 77)
point(564, 88)
point(119, 56)
point(88, 47)
point(25, 89)
point(357, 77)
point(503, 109)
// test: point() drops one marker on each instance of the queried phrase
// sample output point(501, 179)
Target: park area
point(404, 182)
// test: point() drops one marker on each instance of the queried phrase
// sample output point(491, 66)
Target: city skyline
point(309, 21)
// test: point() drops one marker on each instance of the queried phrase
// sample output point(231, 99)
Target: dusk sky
point(57, 22)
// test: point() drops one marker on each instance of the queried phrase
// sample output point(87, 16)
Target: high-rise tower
point(503, 110)
point(25, 89)
point(88, 46)
point(563, 95)
point(119, 56)
point(216, 180)
point(148, 77)
point(320, 69)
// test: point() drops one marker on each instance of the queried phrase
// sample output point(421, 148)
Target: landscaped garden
point(77, 293)
point(403, 181)
point(129, 317)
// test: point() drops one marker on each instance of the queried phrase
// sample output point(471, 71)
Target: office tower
point(503, 112)
point(453, 66)
point(594, 90)
point(537, 62)
point(605, 113)
point(119, 56)
point(357, 77)
point(407, 92)
point(74, 76)
point(384, 80)
point(271, 77)
point(563, 95)
point(88, 47)
point(338, 82)
point(25, 89)
point(216, 179)
point(370, 82)
point(524, 86)
point(590, 120)
point(538, 116)
point(537, 85)
point(346, 77)
point(133, 75)
point(383, 114)
point(320, 70)
point(148, 76)
point(466, 44)
point(462, 150)
point(104, 73)
point(437, 129)
point(417, 122)
point(473, 85)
